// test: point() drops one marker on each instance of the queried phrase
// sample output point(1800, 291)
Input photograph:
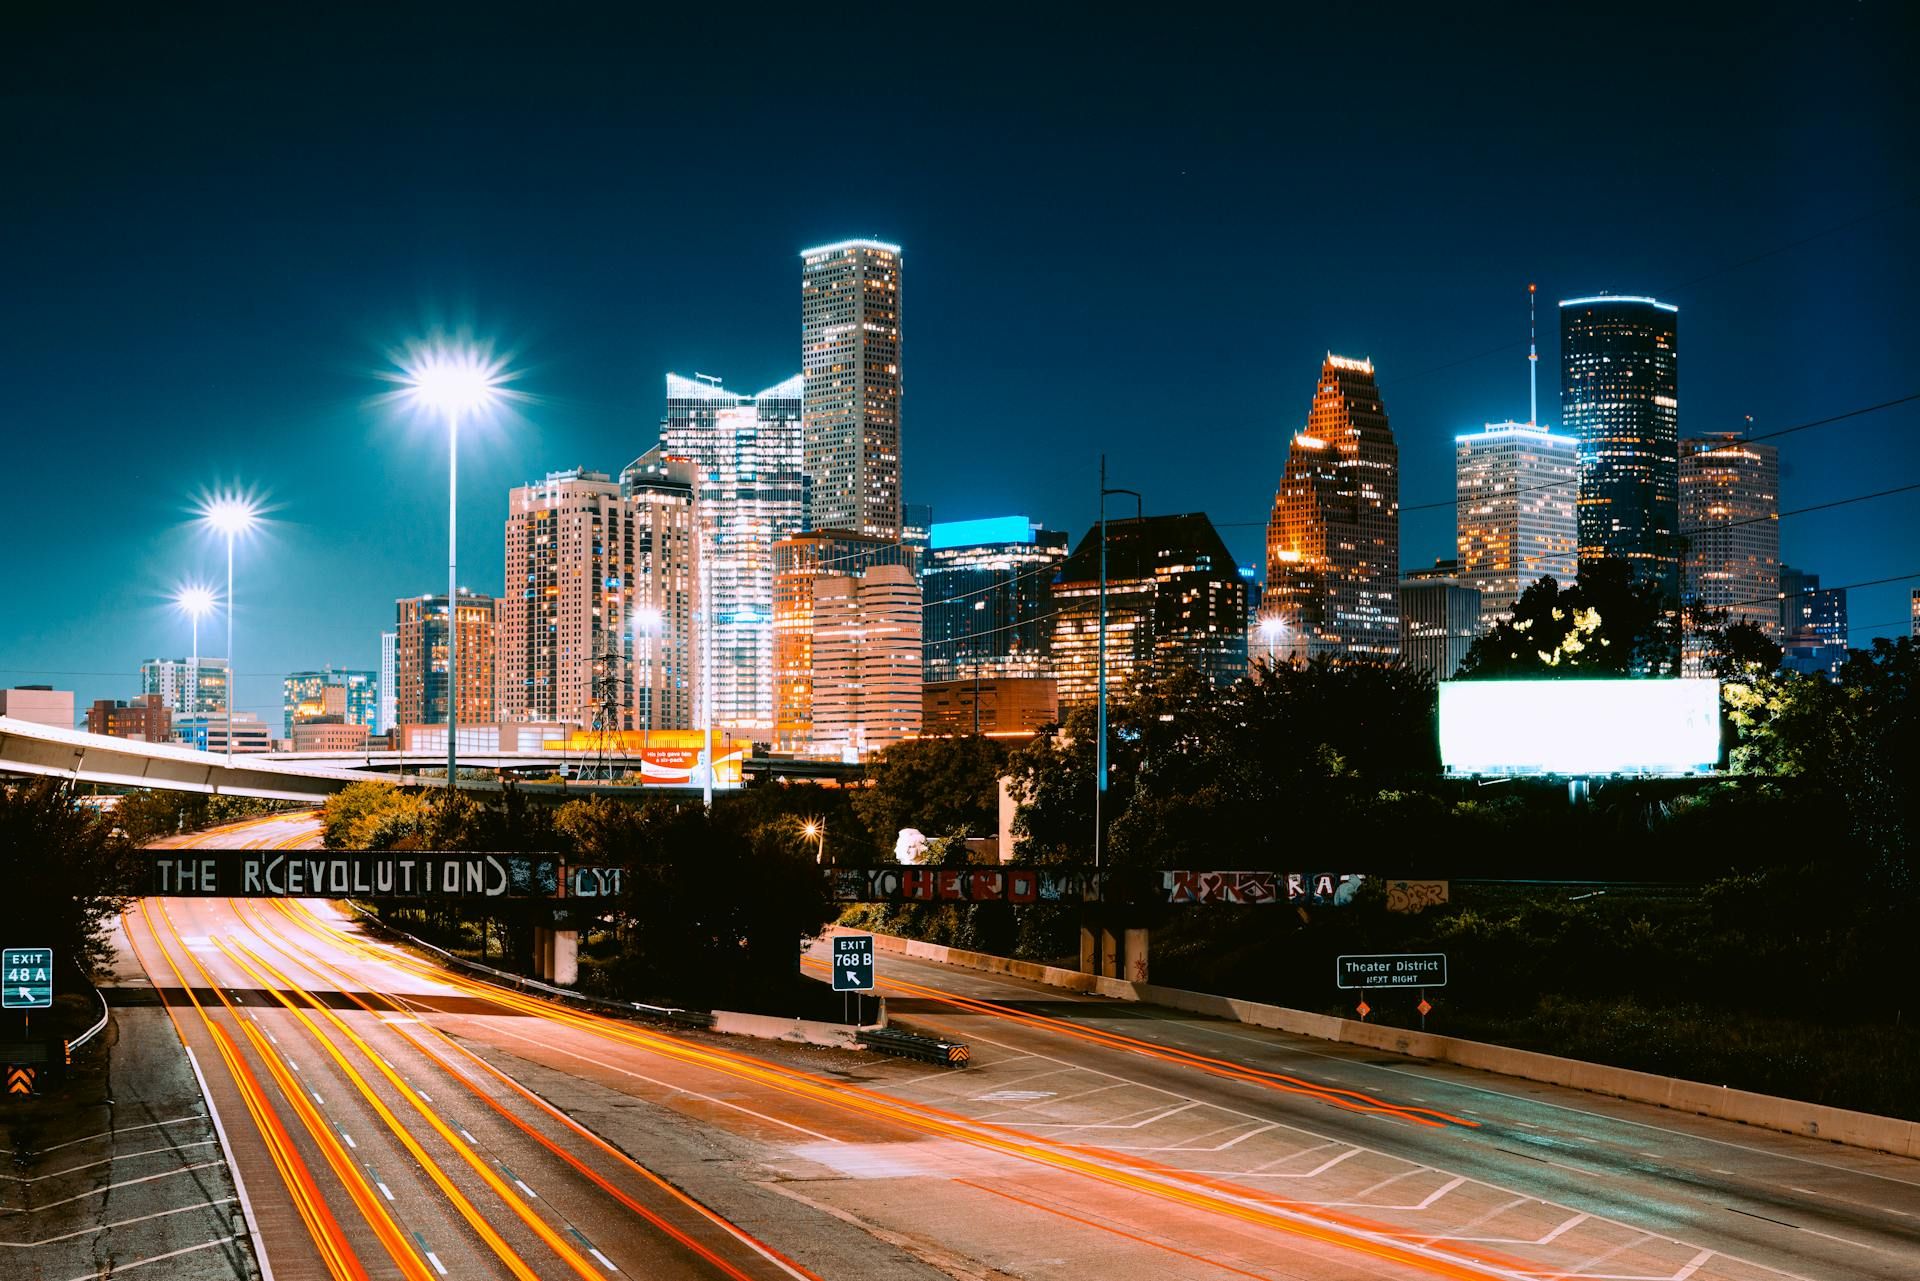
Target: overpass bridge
point(27, 747)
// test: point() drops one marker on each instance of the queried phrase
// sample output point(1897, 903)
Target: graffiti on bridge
point(1301, 889)
point(959, 885)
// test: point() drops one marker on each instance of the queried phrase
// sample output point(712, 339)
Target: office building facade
point(1174, 599)
point(39, 704)
point(850, 346)
point(1620, 398)
point(188, 686)
point(384, 719)
point(798, 563)
point(353, 696)
point(209, 733)
point(563, 615)
point(1516, 495)
point(670, 669)
point(144, 718)
point(993, 706)
point(1730, 519)
point(866, 661)
point(1813, 622)
point(1440, 615)
point(1333, 541)
point(747, 457)
point(421, 659)
point(986, 585)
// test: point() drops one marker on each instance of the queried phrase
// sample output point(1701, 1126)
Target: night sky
point(1136, 234)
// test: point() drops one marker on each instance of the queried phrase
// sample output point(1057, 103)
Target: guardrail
point(911, 1045)
point(93, 1031)
point(506, 978)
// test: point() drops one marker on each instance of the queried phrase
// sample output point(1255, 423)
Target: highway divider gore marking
point(374, 874)
point(1412, 969)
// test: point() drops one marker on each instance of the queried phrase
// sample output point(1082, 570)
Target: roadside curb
point(1789, 1116)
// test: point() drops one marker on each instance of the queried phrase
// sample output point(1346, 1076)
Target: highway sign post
point(28, 973)
point(852, 964)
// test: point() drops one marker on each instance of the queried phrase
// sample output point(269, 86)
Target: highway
point(391, 1118)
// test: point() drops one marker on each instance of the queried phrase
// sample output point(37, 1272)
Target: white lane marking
point(1012, 1096)
point(118, 1268)
point(608, 1263)
point(674, 1089)
point(108, 1187)
point(424, 1096)
point(120, 1156)
point(438, 1266)
point(291, 1063)
point(524, 1188)
point(118, 1223)
point(1548, 1239)
point(316, 1097)
point(1693, 1265)
point(468, 1137)
point(1161, 1115)
point(271, 1037)
point(384, 1190)
point(1141, 1010)
point(1865, 1205)
point(349, 1139)
point(129, 1129)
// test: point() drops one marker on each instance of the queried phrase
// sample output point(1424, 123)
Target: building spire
point(1533, 365)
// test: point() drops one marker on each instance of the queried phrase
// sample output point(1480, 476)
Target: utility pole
point(1100, 714)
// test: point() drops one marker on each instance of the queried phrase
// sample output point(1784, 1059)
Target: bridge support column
point(1136, 956)
point(1089, 951)
point(563, 957)
point(542, 953)
point(1109, 955)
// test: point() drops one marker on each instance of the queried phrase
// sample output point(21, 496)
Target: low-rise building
point(41, 704)
point(329, 735)
point(145, 718)
point(209, 733)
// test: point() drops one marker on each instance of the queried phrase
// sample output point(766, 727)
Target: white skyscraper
point(1516, 488)
point(750, 492)
point(866, 661)
point(383, 721)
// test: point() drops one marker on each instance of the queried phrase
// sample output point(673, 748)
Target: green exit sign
point(28, 977)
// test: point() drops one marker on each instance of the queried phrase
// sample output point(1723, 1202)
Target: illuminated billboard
point(1579, 728)
point(668, 757)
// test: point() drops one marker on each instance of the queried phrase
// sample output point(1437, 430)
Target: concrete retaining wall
point(801, 1031)
point(1837, 1125)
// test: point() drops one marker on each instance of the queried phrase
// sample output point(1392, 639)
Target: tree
point(1609, 623)
point(933, 785)
point(66, 871)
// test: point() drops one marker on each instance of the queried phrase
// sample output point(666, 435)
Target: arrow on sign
point(19, 1080)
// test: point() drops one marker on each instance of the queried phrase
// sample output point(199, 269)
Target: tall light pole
point(196, 601)
point(449, 381)
point(1271, 629)
point(1100, 713)
point(230, 515)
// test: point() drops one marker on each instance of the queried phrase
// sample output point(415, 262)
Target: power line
point(1801, 511)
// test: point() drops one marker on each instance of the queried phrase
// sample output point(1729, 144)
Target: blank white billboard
point(1580, 728)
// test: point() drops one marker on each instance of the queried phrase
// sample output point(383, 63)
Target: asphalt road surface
point(392, 1118)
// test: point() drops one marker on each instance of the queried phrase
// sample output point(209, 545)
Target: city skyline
point(1020, 320)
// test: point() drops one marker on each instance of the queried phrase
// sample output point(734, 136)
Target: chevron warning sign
point(19, 1080)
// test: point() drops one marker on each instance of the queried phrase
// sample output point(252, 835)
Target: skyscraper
point(866, 661)
point(1440, 614)
point(746, 453)
point(1174, 599)
point(1516, 486)
point(986, 597)
point(189, 687)
point(563, 615)
point(1333, 541)
point(1620, 398)
point(1730, 518)
point(1815, 622)
point(798, 563)
point(305, 698)
point(383, 721)
point(420, 660)
point(665, 603)
point(850, 343)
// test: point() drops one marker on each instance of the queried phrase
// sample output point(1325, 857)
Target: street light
point(815, 830)
point(1100, 715)
point(646, 622)
point(1271, 630)
point(231, 516)
point(196, 601)
point(449, 381)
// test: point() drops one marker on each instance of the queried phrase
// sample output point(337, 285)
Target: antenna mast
point(1533, 366)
